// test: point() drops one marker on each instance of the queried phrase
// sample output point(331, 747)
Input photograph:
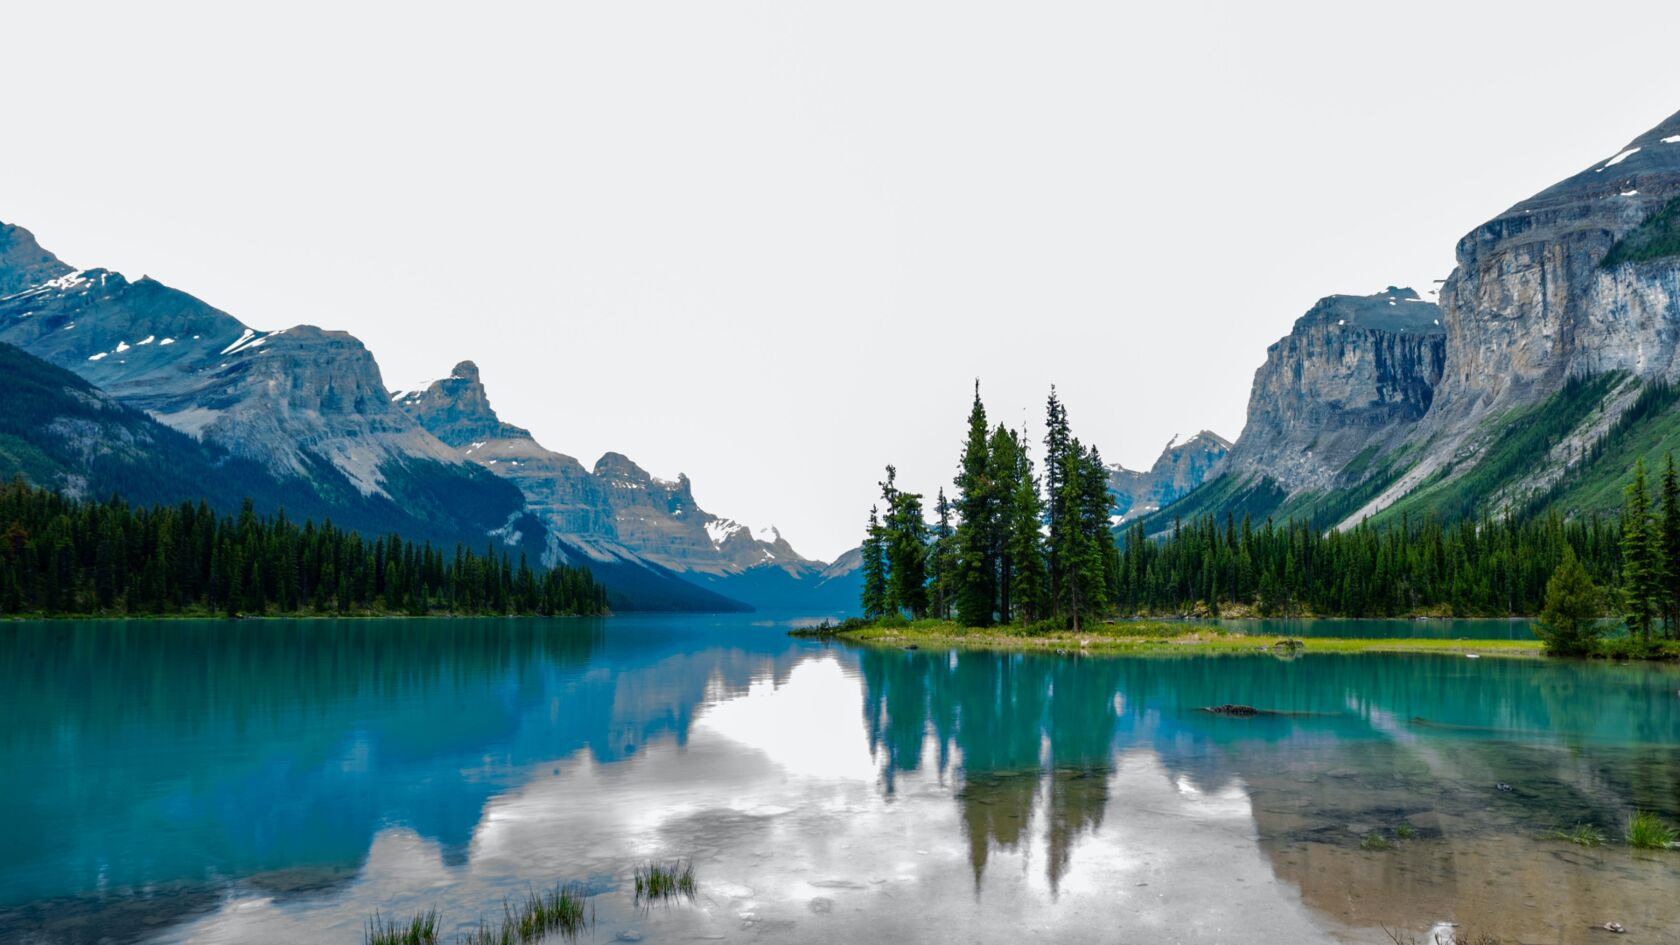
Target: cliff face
point(1180, 468)
point(1529, 303)
point(1355, 373)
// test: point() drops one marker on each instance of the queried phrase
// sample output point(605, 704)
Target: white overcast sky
point(772, 244)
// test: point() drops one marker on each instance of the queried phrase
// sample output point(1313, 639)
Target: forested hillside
point(68, 556)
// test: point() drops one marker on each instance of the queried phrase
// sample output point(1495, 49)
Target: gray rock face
point(306, 406)
point(1355, 373)
point(23, 263)
point(283, 398)
point(616, 508)
point(1529, 305)
point(1180, 468)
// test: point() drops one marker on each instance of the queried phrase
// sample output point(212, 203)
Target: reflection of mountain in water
point(1039, 733)
point(261, 745)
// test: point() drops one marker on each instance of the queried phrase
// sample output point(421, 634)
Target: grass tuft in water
point(1405, 832)
point(1374, 841)
point(1645, 831)
point(421, 929)
point(665, 881)
point(563, 910)
point(1584, 835)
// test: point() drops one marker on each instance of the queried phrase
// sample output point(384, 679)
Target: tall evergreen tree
point(1670, 553)
point(1057, 438)
point(874, 596)
point(976, 508)
point(1006, 462)
point(942, 560)
point(1025, 518)
point(1642, 580)
point(906, 536)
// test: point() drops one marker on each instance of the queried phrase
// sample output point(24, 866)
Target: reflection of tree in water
point(1019, 723)
point(1027, 727)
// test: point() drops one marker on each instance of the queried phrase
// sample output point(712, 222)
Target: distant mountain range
point(1534, 382)
point(138, 388)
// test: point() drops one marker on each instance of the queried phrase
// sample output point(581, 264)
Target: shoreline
point(1148, 637)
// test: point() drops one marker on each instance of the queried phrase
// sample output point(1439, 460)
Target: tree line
point(1488, 566)
point(1011, 546)
point(66, 556)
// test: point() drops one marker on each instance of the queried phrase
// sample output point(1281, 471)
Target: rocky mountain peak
point(23, 263)
point(1181, 467)
point(456, 409)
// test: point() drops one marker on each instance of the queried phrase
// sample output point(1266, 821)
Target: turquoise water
point(275, 781)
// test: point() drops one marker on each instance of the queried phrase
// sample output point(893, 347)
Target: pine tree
point(1670, 539)
point(1642, 582)
point(874, 597)
point(906, 541)
point(1006, 461)
point(1057, 438)
point(1568, 623)
point(942, 560)
point(976, 547)
point(1030, 581)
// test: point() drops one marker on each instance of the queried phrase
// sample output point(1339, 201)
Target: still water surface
point(275, 781)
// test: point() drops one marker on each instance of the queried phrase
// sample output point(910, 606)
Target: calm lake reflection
point(275, 781)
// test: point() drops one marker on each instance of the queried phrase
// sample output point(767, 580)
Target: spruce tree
point(942, 560)
point(1670, 553)
point(1568, 623)
point(906, 540)
point(1057, 438)
point(874, 596)
point(1006, 465)
point(1641, 556)
point(1025, 517)
point(976, 555)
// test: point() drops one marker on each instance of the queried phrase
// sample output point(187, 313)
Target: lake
point(276, 781)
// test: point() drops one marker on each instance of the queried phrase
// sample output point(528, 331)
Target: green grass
point(1518, 439)
point(1405, 832)
point(665, 881)
point(1648, 429)
point(563, 910)
point(1645, 831)
point(420, 929)
point(1583, 835)
point(1139, 637)
point(1658, 237)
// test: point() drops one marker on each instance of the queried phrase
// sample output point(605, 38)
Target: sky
point(772, 245)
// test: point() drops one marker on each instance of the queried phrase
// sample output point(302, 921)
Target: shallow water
point(275, 781)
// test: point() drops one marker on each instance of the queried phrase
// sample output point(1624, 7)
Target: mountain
point(1180, 468)
point(617, 510)
point(1546, 368)
point(300, 417)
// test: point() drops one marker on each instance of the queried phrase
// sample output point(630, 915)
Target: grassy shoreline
point(1142, 637)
